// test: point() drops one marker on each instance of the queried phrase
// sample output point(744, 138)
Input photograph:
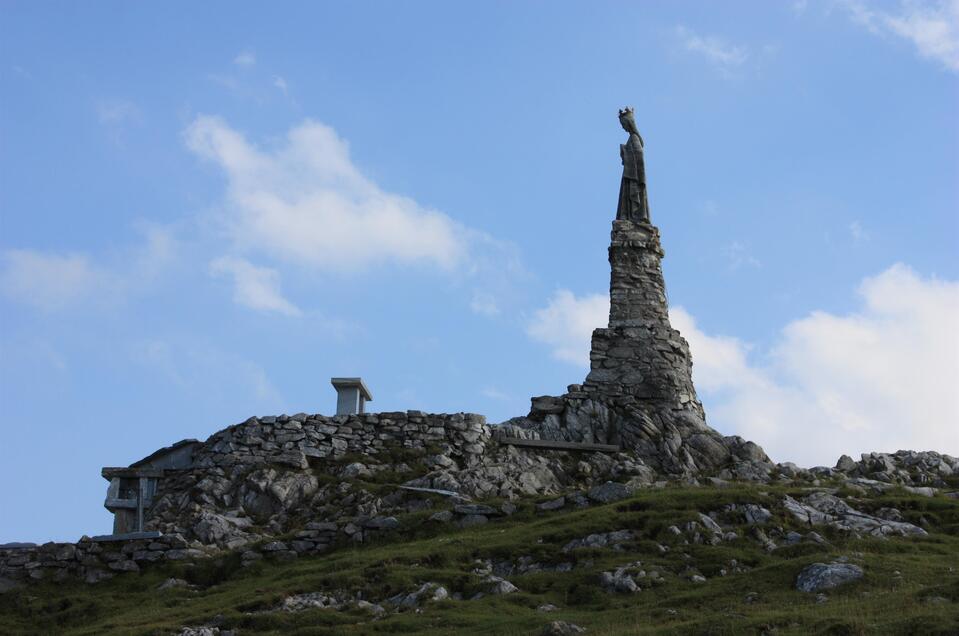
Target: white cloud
point(50, 281)
point(883, 378)
point(115, 112)
point(932, 27)
point(245, 59)
point(566, 324)
point(738, 256)
point(281, 84)
point(484, 303)
point(54, 281)
point(722, 54)
point(858, 232)
point(305, 202)
point(254, 287)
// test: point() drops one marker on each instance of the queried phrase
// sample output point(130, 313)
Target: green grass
point(882, 602)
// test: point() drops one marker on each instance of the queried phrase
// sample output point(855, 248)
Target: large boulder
point(825, 576)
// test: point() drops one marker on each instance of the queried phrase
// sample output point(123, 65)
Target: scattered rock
point(609, 492)
point(553, 504)
point(430, 590)
point(601, 540)
point(356, 469)
point(501, 586)
point(620, 580)
point(172, 583)
point(474, 509)
point(442, 516)
point(561, 628)
point(825, 576)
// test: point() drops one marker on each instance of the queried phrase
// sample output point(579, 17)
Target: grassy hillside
point(910, 585)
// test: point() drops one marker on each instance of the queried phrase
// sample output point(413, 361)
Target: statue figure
point(633, 204)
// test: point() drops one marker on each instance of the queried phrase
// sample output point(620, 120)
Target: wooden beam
point(550, 444)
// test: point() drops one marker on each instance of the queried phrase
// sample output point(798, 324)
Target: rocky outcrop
point(821, 508)
point(908, 468)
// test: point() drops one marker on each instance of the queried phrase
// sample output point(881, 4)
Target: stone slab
point(549, 444)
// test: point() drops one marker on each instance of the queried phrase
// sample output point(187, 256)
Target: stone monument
point(639, 393)
point(633, 203)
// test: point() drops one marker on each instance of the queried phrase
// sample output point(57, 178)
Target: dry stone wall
point(293, 440)
point(92, 560)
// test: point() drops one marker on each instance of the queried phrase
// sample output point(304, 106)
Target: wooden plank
point(551, 444)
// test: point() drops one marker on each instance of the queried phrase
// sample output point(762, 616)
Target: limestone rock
point(824, 509)
point(608, 492)
point(825, 576)
point(562, 628)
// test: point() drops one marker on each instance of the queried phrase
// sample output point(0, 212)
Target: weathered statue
point(633, 204)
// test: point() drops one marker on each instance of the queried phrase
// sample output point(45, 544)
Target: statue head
point(627, 121)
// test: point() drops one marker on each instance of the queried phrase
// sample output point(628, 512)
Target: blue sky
point(207, 210)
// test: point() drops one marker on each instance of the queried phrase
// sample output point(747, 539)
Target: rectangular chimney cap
point(352, 383)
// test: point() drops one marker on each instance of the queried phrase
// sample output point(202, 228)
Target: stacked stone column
point(640, 363)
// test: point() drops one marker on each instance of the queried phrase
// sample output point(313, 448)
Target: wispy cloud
point(281, 84)
point(245, 59)
point(54, 281)
point(113, 112)
point(737, 256)
point(254, 287)
point(485, 304)
point(50, 281)
point(932, 27)
point(858, 232)
point(718, 52)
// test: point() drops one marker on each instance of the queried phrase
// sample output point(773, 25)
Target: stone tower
point(639, 393)
point(639, 362)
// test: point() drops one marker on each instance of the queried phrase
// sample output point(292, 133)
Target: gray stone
point(608, 492)
point(562, 628)
point(172, 583)
point(274, 546)
point(756, 515)
point(474, 509)
point(821, 508)
point(501, 586)
point(442, 516)
point(382, 523)
point(552, 504)
point(825, 576)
